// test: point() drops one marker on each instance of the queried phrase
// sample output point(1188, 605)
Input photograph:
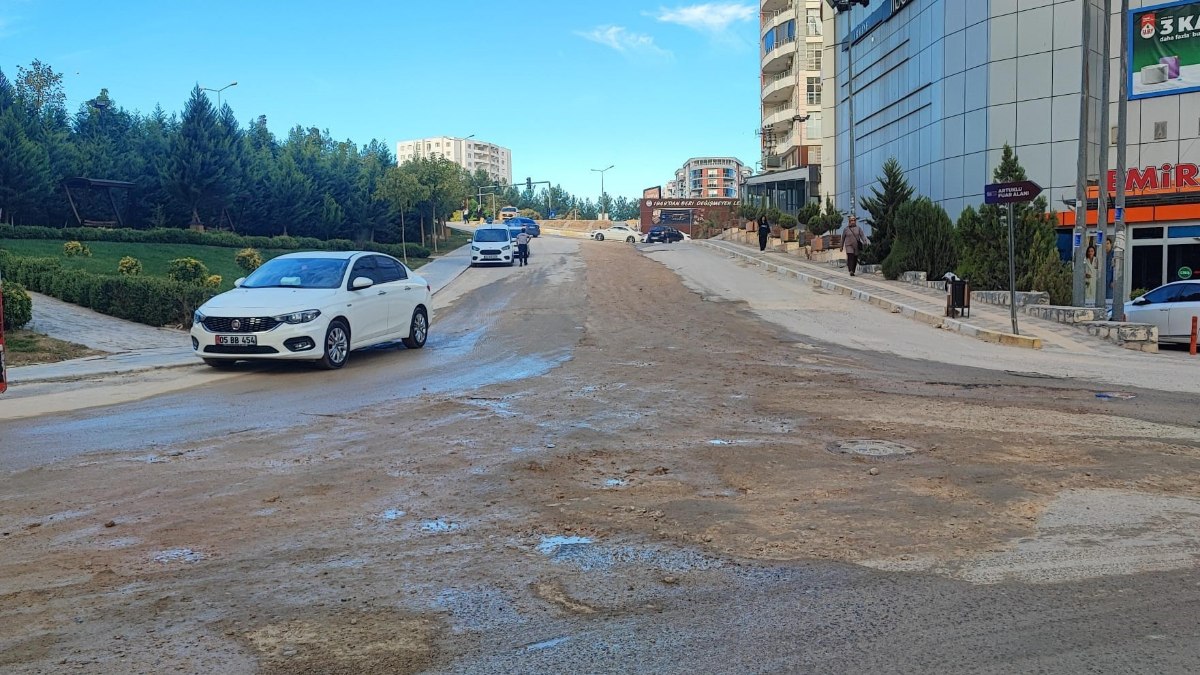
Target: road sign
point(1010, 193)
point(551, 216)
point(1099, 236)
point(1120, 215)
point(1184, 273)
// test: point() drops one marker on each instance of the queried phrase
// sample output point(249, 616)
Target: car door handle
point(382, 293)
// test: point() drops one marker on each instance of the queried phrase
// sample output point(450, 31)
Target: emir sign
point(1164, 49)
point(1010, 193)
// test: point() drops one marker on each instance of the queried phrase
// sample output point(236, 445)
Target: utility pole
point(1119, 224)
point(1102, 231)
point(1081, 166)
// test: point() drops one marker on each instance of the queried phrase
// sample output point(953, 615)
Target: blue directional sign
point(1009, 193)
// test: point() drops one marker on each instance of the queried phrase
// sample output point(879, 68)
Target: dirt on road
point(683, 431)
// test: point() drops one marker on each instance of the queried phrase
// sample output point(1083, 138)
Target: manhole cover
point(871, 448)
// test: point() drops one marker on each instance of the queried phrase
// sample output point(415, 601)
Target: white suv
point(492, 245)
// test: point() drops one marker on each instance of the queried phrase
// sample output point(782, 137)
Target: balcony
point(780, 56)
point(771, 6)
point(771, 19)
point(779, 116)
point(778, 86)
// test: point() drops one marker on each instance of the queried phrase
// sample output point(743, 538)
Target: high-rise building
point(790, 51)
point(708, 178)
point(944, 85)
point(465, 152)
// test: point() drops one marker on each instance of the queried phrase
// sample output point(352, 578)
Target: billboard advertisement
point(1164, 49)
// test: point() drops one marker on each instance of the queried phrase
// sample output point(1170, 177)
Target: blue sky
point(568, 86)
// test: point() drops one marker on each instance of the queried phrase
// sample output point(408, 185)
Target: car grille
point(239, 349)
point(490, 251)
point(254, 324)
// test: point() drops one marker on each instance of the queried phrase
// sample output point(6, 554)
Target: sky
point(567, 85)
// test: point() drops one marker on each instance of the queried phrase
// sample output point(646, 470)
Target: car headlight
point(298, 317)
point(474, 248)
point(197, 317)
point(505, 247)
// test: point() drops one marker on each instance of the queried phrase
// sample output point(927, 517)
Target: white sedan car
point(618, 233)
point(1170, 307)
point(315, 307)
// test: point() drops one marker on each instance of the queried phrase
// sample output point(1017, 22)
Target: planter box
point(818, 244)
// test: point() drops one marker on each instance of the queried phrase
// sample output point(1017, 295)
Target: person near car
point(853, 241)
point(523, 246)
point(764, 231)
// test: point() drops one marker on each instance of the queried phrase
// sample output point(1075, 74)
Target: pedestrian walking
point(523, 247)
point(764, 231)
point(853, 242)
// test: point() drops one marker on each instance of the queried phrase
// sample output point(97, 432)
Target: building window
point(812, 128)
point(814, 23)
point(813, 57)
point(814, 91)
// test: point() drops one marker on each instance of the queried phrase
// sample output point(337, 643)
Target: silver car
point(1170, 307)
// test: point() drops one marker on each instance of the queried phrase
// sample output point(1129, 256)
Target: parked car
point(664, 234)
point(316, 306)
point(530, 225)
point(492, 244)
point(617, 232)
point(508, 212)
point(1170, 307)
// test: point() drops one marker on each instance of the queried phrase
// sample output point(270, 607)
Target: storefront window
point(1147, 233)
point(1183, 261)
point(1147, 266)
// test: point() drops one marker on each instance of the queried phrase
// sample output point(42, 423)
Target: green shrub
point(924, 241)
point(1137, 293)
point(18, 306)
point(187, 270)
point(129, 266)
point(73, 249)
point(248, 259)
point(213, 281)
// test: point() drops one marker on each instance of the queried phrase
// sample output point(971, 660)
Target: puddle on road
point(870, 448)
point(438, 526)
point(615, 482)
point(547, 644)
point(178, 555)
point(552, 545)
point(392, 514)
point(588, 556)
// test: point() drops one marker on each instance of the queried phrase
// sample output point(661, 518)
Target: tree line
point(201, 166)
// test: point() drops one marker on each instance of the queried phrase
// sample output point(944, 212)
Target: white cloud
point(709, 17)
point(622, 40)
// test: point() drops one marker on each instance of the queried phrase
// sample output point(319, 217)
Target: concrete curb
point(916, 314)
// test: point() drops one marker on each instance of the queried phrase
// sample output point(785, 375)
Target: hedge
point(224, 239)
point(18, 307)
point(149, 300)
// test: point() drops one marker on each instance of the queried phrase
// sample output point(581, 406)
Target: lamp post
point(231, 84)
point(603, 203)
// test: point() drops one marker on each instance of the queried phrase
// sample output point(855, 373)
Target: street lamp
point(603, 203)
point(231, 84)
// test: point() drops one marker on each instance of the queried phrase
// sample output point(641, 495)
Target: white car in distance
point(316, 306)
point(617, 232)
point(492, 245)
point(1170, 307)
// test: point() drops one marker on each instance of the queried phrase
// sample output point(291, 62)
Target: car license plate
point(237, 340)
point(491, 257)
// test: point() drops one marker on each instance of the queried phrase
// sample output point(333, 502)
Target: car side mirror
point(1141, 301)
point(360, 283)
point(239, 281)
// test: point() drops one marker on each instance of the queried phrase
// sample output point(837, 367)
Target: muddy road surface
point(596, 465)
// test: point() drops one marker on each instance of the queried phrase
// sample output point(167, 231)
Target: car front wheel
point(599, 237)
point(629, 239)
point(418, 330)
point(337, 345)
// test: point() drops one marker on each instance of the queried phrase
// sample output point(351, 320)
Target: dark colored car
point(663, 234)
point(515, 224)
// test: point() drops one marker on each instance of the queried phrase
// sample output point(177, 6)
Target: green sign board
point(1164, 49)
point(1184, 273)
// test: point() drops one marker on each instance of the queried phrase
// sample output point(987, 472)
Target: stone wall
point(1024, 298)
point(1063, 314)
point(1136, 336)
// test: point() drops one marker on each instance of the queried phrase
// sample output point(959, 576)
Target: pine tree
point(924, 241)
point(883, 206)
point(199, 158)
point(24, 171)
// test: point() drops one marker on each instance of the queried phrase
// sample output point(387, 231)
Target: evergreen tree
point(24, 172)
point(882, 207)
point(199, 157)
point(924, 241)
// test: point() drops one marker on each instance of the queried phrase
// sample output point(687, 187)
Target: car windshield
point(493, 234)
point(298, 273)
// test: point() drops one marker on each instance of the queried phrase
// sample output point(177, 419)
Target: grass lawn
point(26, 348)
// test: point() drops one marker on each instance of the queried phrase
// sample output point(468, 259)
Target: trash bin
point(958, 297)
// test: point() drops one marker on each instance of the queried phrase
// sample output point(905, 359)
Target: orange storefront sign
point(1168, 179)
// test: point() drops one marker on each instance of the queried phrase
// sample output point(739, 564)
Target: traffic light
point(529, 184)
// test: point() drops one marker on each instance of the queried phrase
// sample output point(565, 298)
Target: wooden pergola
point(97, 184)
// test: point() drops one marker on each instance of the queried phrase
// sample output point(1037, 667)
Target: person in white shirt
point(523, 247)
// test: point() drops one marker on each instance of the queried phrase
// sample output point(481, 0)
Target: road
point(632, 459)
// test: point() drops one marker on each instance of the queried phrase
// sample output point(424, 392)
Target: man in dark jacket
point(764, 231)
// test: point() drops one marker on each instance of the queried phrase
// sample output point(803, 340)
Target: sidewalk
point(927, 305)
point(133, 347)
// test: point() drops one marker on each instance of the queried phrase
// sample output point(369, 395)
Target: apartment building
point(468, 153)
point(708, 177)
point(790, 50)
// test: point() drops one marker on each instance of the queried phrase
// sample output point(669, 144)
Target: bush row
point(224, 239)
point(149, 300)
